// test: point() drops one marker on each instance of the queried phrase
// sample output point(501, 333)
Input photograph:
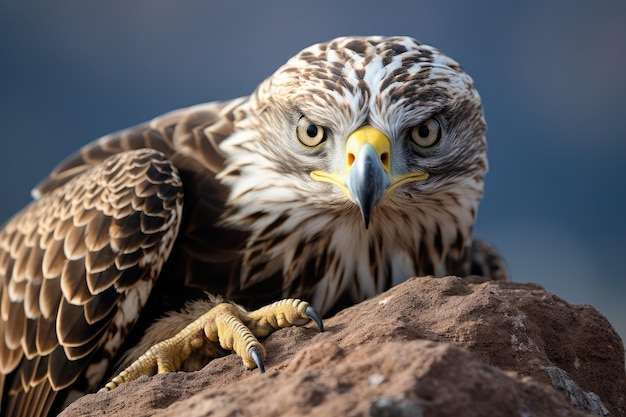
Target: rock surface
point(428, 347)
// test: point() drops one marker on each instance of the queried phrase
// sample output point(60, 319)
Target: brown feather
point(99, 259)
point(31, 298)
point(50, 297)
point(10, 357)
point(53, 259)
point(99, 281)
point(102, 306)
point(46, 336)
point(97, 236)
point(74, 242)
point(15, 327)
point(73, 282)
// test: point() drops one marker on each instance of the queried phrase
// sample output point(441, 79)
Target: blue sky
point(552, 76)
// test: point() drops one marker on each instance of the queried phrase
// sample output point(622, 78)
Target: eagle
point(358, 164)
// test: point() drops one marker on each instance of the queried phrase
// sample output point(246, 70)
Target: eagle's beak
point(367, 154)
point(367, 179)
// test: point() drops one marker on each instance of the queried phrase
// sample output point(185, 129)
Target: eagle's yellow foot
point(235, 328)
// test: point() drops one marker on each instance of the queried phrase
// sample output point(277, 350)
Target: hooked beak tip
point(366, 221)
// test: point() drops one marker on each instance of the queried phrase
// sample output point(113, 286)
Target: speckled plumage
point(220, 197)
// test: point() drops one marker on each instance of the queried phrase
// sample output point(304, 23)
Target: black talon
point(310, 311)
point(256, 357)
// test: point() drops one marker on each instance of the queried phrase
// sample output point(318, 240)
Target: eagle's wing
point(77, 264)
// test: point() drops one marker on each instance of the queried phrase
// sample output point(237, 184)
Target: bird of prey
point(356, 165)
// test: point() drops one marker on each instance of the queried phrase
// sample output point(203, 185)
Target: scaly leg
point(235, 328)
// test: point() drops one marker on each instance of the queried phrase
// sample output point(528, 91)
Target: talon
point(224, 326)
point(256, 357)
point(314, 315)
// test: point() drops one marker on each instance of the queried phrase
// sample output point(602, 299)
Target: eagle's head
point(363, 142)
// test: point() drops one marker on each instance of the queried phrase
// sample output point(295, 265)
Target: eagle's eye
point(310, 134)
point(427, 134)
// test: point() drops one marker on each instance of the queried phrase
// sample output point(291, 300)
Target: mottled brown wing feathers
point(68, 260)
point(105, 220)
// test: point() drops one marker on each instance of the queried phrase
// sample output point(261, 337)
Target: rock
point(428, 347)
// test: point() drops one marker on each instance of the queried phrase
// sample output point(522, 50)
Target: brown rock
point(428, 347)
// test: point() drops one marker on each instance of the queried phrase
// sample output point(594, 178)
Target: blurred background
point(552, 76)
